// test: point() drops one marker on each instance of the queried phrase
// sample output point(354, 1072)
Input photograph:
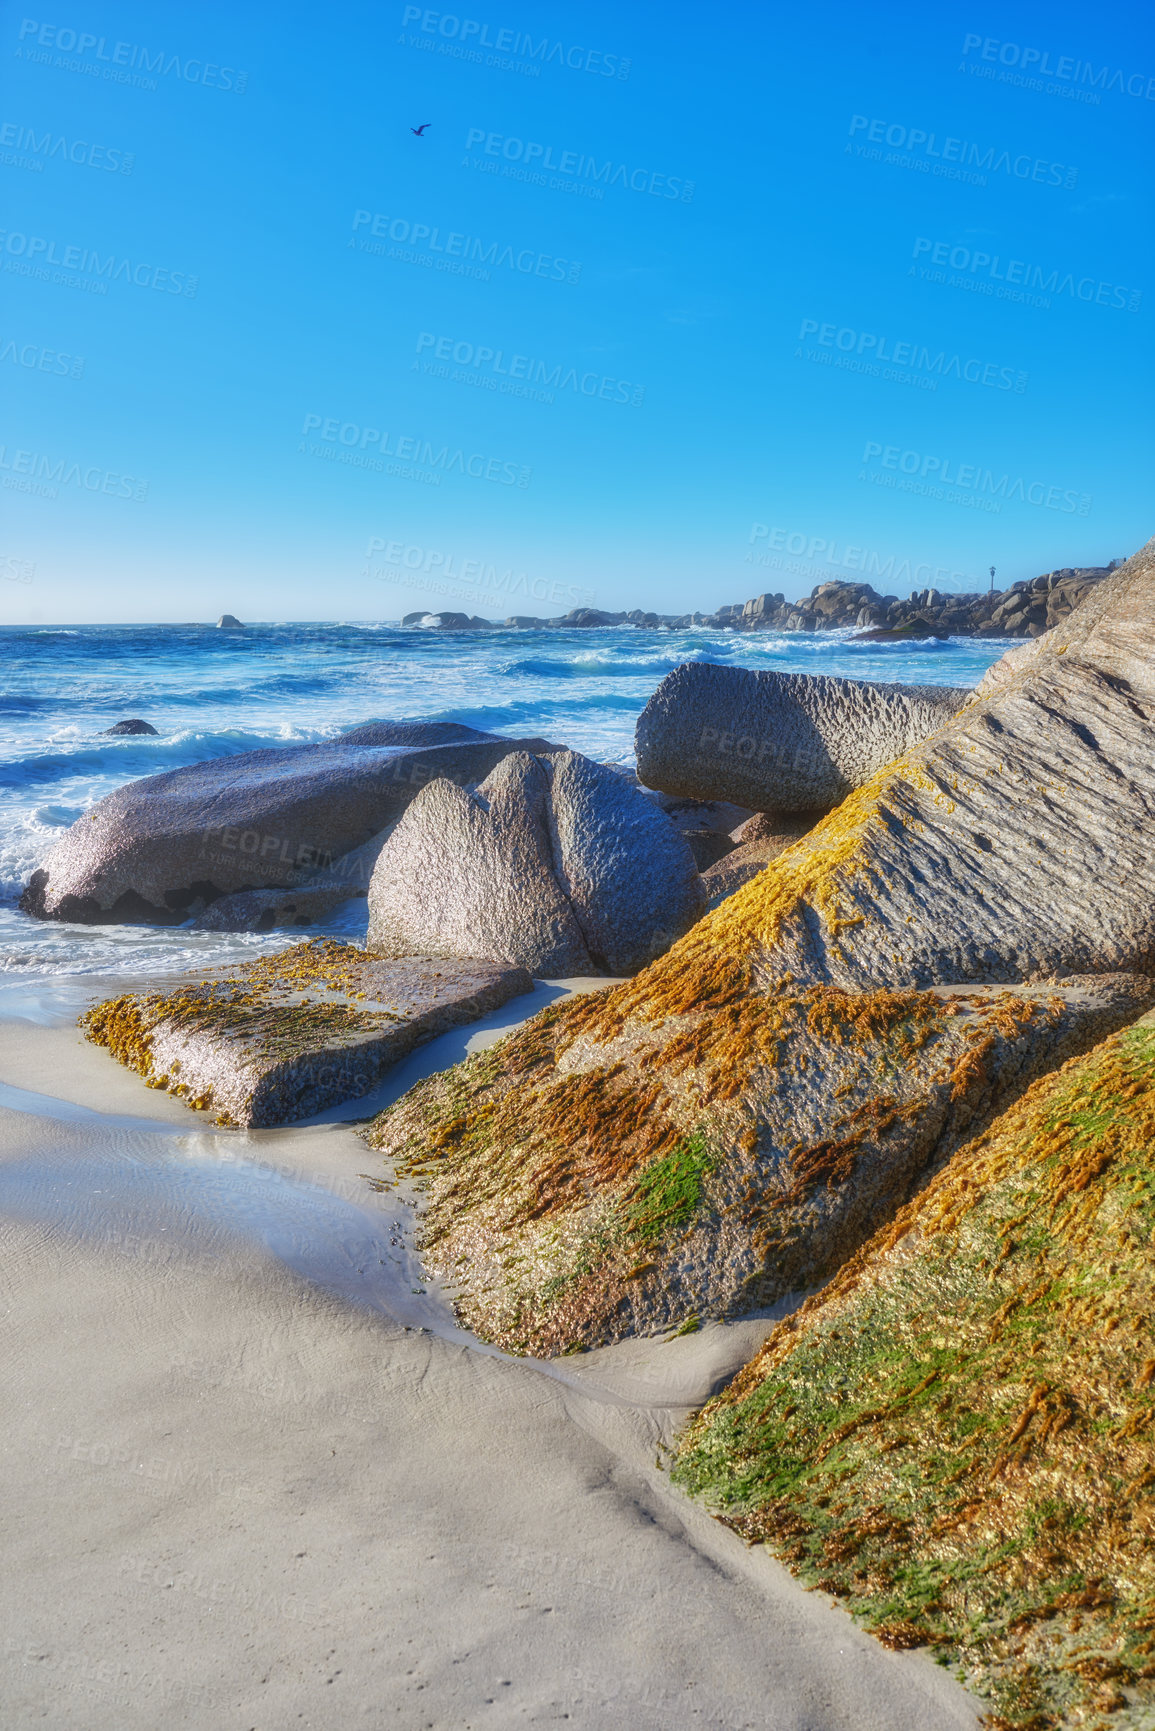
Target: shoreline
point(256, 1478)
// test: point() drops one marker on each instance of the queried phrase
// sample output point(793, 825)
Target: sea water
point(213, 693)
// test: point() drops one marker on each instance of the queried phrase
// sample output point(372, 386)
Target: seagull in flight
point(418, 130)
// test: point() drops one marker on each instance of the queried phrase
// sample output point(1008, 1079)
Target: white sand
point(242, 1488)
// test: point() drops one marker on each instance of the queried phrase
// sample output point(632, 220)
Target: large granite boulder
point(779, 741)
point(788, 1061)
point(555, 862)
point(161, 849)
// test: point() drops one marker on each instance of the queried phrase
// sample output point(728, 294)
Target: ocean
point(212, 693)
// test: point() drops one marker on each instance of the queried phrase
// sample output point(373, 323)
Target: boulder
point(286, 1036)
point(779, 741)
point(707, 846)
point(555, 862)
point(762, 839)
point(161, 849)
point(229, 622)
point(132, 725)
point(955, 1434)
point(716, 1163)
point(799, 1049)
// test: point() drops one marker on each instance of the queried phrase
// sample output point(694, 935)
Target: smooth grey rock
point(132, 725)
point(779, 741)
point(229, 622)
point(161, 849)
point(555, 862)
point(287, 1036)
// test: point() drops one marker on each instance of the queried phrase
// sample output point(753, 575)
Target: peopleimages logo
point(959, 151)
point(50, 145)
point(409, 563)
point(945, 471)
point(364, 447)
point(29, 255)
point(889, 568)
point(125, 58)
point(1029, 277)
point(916, 355)
point(463, 252)
point(471, 34)
point(38, 359)
point(30, 472)
point(510, 372)
point(1038, 60)
point(576, 163)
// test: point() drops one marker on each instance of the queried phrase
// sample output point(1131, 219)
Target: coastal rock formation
point(286, 1036)
point(161, 849)
point(311, 901)
point(771, 741)
point(555, 862)
point(718, 1163)
point(132, 725)
point(757, 842)
point(957, 1435)
point(1009, 848)
point(1026, 609)
point(229, 622)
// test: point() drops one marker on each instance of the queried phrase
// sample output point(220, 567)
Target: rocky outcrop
point(1009, 849)
point(132, 725)
point(162, 849)
point(1026, 609)
point(555, 863)
point(284, 1037)
point(595, 1187)
point(779, 741)
point(229, 622)
point(956, 1435)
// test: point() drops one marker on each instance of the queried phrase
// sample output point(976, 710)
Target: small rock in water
point(132, 725)
point(229, 622)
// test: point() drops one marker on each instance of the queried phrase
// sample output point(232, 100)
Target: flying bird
point(418, 130)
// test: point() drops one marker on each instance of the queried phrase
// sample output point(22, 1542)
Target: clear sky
point(666, 307)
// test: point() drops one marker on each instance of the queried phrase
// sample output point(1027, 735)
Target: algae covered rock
point(957, 1436)
point(779, 741)
point(279, 1039)
point(1011, 849)
point(555, 863)
point(740, 1154)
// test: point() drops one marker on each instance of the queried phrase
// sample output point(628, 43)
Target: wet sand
point(256, 1477)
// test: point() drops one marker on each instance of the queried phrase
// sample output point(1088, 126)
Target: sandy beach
point(256, 1477)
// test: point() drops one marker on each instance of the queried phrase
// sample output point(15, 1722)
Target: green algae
point(957, 1437)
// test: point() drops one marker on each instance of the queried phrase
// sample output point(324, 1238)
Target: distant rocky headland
point(1026, 609)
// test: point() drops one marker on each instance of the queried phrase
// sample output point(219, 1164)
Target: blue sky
point(660, 311)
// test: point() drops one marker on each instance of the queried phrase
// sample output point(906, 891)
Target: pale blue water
point(213, 693)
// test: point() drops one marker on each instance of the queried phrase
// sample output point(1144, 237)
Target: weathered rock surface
point(162, 849)
point(311, 902)
point(779, 741)
point(284, 1037)
point(1010, 848)
point(595, 1188)
point(132, 725)
point(956, 1435)
point(735, 869)
point(555, 862)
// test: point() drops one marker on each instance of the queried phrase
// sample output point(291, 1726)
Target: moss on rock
point(957, 1436)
